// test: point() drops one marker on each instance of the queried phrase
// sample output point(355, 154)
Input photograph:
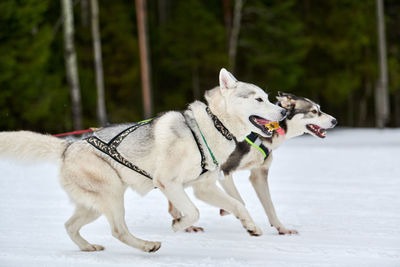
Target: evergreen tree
point(271, 45)
point(324, 50)
point(392, 10)
point(341, 58)
point(191, 50)
point(31, 89)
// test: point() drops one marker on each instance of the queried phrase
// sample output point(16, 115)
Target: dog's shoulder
point(171, 125)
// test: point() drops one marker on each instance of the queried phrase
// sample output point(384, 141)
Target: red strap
point(75, 132)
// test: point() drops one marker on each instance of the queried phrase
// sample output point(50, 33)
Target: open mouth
point(316, 130)
point(260, 123)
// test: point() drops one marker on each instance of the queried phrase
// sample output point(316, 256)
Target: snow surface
point(341, 193)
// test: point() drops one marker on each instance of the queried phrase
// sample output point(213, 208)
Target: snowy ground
point(342, 194)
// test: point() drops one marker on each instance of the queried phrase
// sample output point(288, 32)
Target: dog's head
point(246, 105)
point(305, 115)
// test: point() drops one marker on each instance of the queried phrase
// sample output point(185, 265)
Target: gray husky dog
point(170, 152)
point(255, 153)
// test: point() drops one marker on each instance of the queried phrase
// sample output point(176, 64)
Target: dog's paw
point(253, 230)
point(176, 224)
point(284, 231)
point(92, 247)
point(151, 246)
point(194, 229)
point(223, 212)
point(183, 222)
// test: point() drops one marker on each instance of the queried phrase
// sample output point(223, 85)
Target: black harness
point(110, 148)
point(203, 157)
point(219, 126)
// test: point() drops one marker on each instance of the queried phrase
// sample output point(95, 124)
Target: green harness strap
point(140, 122)
point(209, 149)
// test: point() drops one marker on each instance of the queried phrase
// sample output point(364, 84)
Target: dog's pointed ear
point(226, 80)
point(285, 100)
point(288, 95)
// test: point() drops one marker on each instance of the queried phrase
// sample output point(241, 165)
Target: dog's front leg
point(177, 215)
point(259, 180)
point(230, 188)
point(180, 202)
point(210, 193)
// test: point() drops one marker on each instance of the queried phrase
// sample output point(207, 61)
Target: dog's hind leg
point(210, 193)
point(259, 180)
point(95, 183)
point(115, 213)
point(81, 217)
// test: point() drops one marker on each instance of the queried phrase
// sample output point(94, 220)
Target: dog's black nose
point(334, 122)
point(283, 112)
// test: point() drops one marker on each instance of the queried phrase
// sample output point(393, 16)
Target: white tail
point(25, 145)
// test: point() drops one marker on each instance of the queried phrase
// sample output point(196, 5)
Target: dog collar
point(255, 141)
point(220, 126)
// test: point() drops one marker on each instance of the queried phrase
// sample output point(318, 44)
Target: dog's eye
point(259, 99)
point(314, 111)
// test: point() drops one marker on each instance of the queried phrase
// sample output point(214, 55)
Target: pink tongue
point(262, 121)
point(280, 131)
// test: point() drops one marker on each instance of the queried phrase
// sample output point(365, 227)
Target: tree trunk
point(71, 63)
point(237, 16)
point(363, 114)
point(350, 111)
point(226, 4)
point(162, 11)
point(195, 82)
point(98, 64)
point(381, 91)
point(397, 108)
point(144, 57)
point(84, 13)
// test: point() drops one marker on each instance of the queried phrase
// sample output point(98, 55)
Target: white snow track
point(341, 193)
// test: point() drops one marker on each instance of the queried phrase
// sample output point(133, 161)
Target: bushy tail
point(25, 145)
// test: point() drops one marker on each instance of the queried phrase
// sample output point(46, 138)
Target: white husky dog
point(174, 150)
point(255, 153)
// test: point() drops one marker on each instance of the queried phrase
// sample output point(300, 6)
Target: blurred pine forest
point(323, 50)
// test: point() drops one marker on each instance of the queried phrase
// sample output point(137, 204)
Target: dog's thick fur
point(302, 112)
point(165, 148)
